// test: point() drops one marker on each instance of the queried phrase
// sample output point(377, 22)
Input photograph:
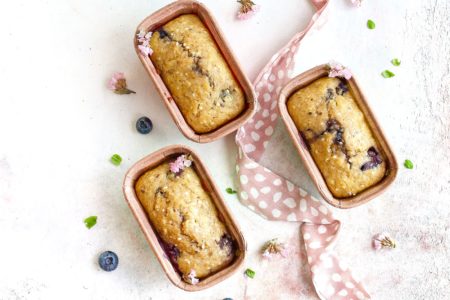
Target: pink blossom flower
point(118, 84)
point(190, 278)
point(338, 70)
point(247, 10)
point(180, 164)
point(383, 240)
point(143, 39)
point(356, 3)
point(273, 247)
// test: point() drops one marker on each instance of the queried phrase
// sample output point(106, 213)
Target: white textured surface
point(59, 125)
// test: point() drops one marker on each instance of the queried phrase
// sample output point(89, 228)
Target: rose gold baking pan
point(153, 160)
point(305, 79)
point(165, 15)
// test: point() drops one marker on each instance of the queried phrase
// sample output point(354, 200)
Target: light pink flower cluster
point(144, 42)
point(338, 70)
point(273, 247)
point(191, 277)
point(118, 84)
point(383, 240)
point(247, 10)
point(179, 164)
point(356, 3)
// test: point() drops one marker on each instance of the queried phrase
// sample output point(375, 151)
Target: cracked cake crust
point(338, 137)
point(196, 74)
point(186, 220)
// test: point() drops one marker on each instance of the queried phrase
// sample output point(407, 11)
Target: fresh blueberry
point(144, 125)
point(108, 261)
point(227, 299)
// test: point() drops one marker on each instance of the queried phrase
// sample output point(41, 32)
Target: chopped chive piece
point(396, 62)
point(387, 74)
point(250, 273)
point(116, 159)
point(230, 191)
point(408, 164)
point(370, 24)
point(90, 221)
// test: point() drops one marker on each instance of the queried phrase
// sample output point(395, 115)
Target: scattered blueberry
point(144, 125)
point(227, 299)
point(108, 261)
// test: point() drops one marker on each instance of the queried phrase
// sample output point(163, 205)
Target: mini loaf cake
point(339, 139)
point(195, 72)
point(186, 220)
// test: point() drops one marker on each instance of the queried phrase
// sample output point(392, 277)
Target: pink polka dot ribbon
point(274, 197)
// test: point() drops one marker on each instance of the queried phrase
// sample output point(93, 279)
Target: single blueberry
point(172, 252)
point(377, 159)
point(339, 139)
point(108, 261)
point(330, 95)
point(341, 89)
point(226, 242)
point(162, 33)
point(144, 125)
point(372, 152)
point(368, 165)
point(227, 299)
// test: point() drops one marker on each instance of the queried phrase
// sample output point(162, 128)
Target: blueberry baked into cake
point(195, 72)
point(338, 137)
point(185, 218)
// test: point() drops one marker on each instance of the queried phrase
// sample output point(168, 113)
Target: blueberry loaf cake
point(186, 220)
point(339, 139)
point(195, 72)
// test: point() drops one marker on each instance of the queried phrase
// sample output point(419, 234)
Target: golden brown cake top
point(338, 136)
point(194, 70)
point(187, 221)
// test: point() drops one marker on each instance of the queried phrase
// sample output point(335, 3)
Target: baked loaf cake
point(337, 134)
point(196, 74)
point(186, 220)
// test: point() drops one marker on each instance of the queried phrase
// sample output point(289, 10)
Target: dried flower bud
point(383, 240)
point(338, 70)
point(118, 84)
point(356, 3)
point(180, 164)
point(272, 248)
point(190, 278)
point(247, 10)
point(143, 39)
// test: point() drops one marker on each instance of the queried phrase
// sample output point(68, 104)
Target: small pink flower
point(247, 10)
point(118, 84)
point(356, 3)
point(272, 248)
point(180, 164)
point(338, 70)
point(190, 278)
point(143, 39)
point(383, 240)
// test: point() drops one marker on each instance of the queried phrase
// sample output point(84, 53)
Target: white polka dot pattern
point(274, 197)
